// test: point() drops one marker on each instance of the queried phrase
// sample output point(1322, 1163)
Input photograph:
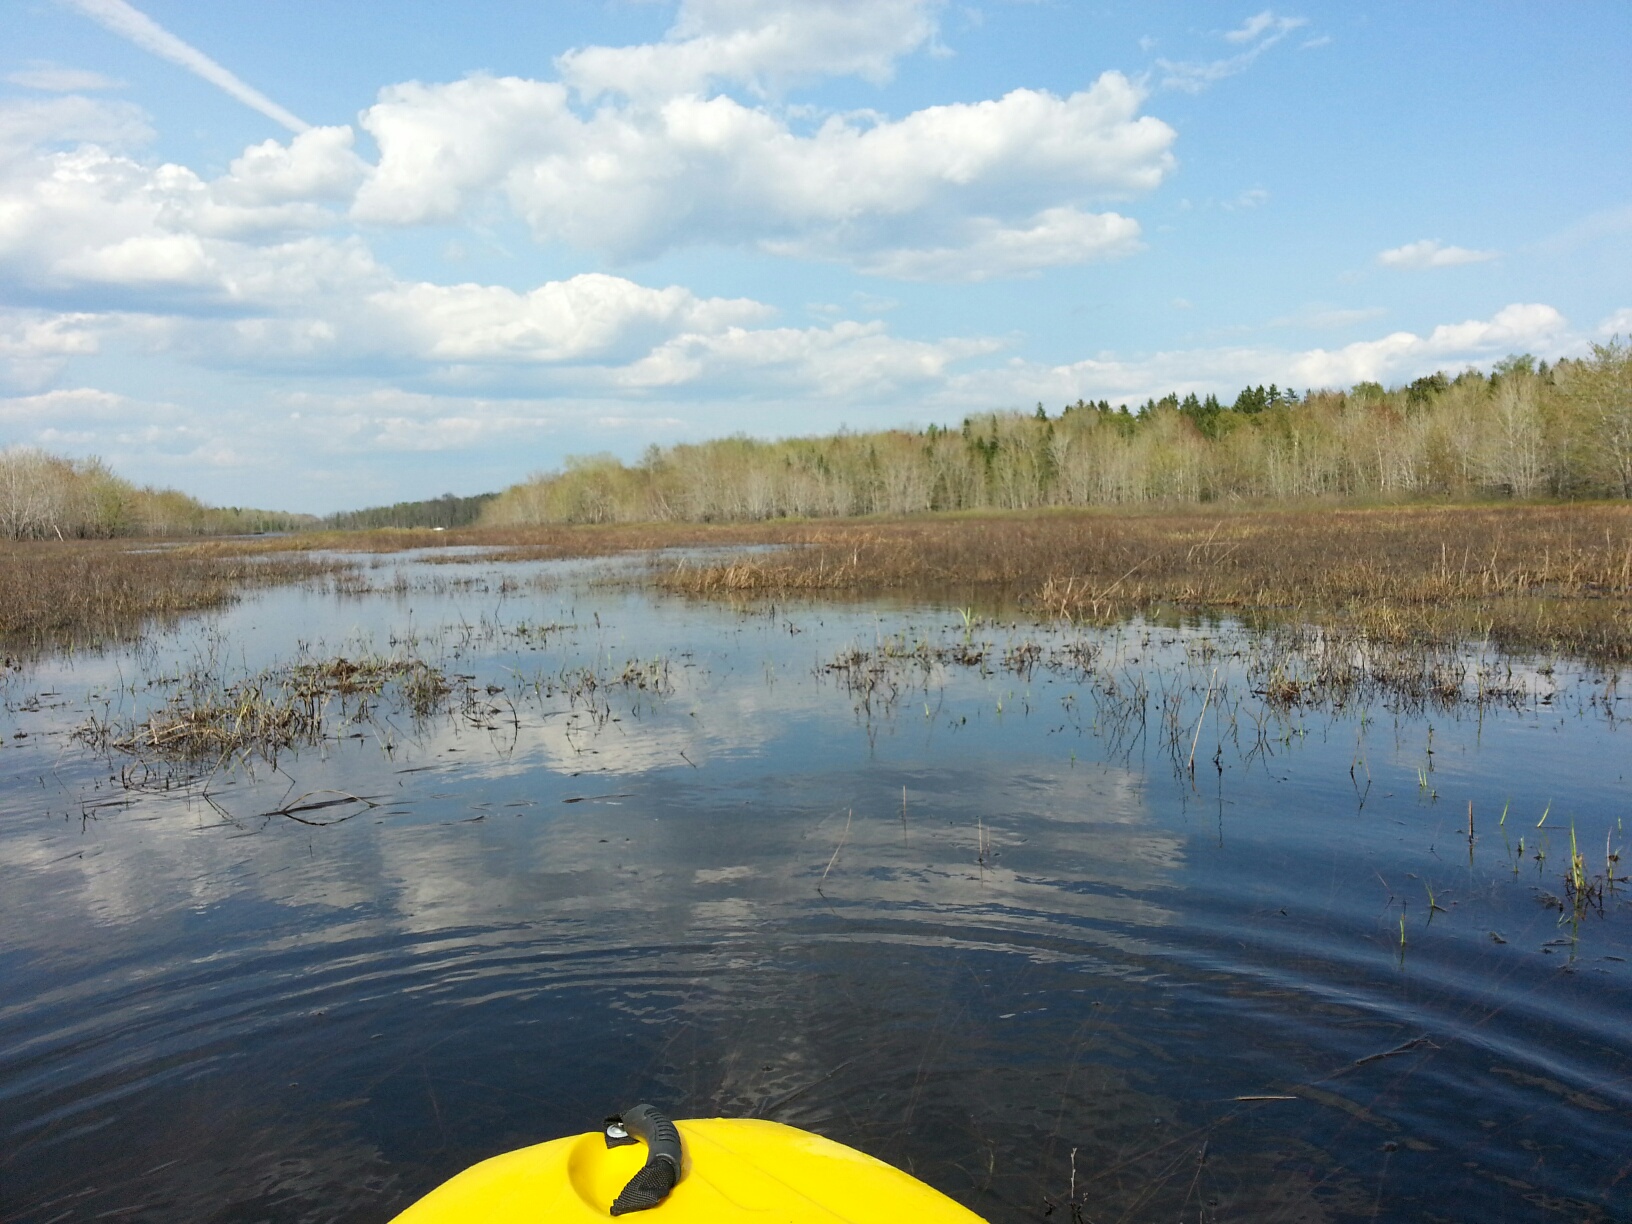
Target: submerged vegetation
point(1524, 431)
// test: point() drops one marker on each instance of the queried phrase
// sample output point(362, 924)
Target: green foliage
point(1252, 400)
point(445, 511)
point(1426, 389)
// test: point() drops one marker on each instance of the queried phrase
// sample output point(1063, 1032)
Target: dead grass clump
point(1523, 578)
point(248, 717)
point(78, 593)
point(208, 720)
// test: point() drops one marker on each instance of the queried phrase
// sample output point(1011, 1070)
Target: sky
point(320, 255)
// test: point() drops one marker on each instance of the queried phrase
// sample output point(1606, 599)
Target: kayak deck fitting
point(698, 1171)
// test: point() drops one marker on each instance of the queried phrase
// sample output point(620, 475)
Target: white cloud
point(767, 380)
point(25, 126)
point(1401, 354)
point(1394, 358)
point(88, 222)
point(763, 44)
point(318, 164)
point(143, 261)
point(35, 334)
point(102, 226)
point(93, 215)
point(962, 191)
point(52, 78)
point(631, 180)
point(1263, 23)
point(1432, 253)
point(35, 346)
point(845, 361)
point(1617, 324)
point(1258, 34)
point(1055, 238)
point(590, 315)
point(1252, 197)
point(127, 22)
point(64, 409)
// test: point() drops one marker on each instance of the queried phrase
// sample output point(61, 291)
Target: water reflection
point(974, 928)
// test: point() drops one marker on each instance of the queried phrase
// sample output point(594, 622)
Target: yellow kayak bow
point(701, 1171)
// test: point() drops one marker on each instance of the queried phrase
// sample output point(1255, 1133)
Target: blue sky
point(319, 255)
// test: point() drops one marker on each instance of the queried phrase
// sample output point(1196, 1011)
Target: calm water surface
point(978, 920)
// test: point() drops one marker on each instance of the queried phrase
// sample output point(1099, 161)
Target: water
point(981, 922)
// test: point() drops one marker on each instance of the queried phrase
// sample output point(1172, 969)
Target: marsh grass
point(202, 720)
point(1524, 579)
point(207, 719)
point(542, 542)
point(84, 593)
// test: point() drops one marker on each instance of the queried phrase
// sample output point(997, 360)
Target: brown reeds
point(1523, 578)
point(544, 542)
point(56, 594)
point(208, 718)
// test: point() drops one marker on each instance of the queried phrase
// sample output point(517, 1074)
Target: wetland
point(1091, 868)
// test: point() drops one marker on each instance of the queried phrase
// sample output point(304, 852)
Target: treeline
point(1526, 430)
point(444, 511)
point(47, 496)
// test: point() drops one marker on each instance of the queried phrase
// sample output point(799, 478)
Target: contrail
point(148, 34)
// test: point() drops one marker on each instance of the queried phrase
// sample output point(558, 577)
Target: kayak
point(697, 1171)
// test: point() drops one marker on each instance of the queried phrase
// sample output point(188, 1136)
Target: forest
point(446, 511)
point(45, 496)
point(1527, 430)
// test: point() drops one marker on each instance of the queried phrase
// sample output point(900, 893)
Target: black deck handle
point(661, 1171)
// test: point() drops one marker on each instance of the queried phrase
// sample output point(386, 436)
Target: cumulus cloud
point(318, 164)
point(218, 272)
point(1513, 328)
point(1055, 238)
point(95, 215)
point(845, 361)
point(762, 44)
point(128, 22)
point(590, 315)
point(1397, 357)
point(1257, 34)
point(964, 191)
point(633, 180)
point(35, 346)
point(1432, 253)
